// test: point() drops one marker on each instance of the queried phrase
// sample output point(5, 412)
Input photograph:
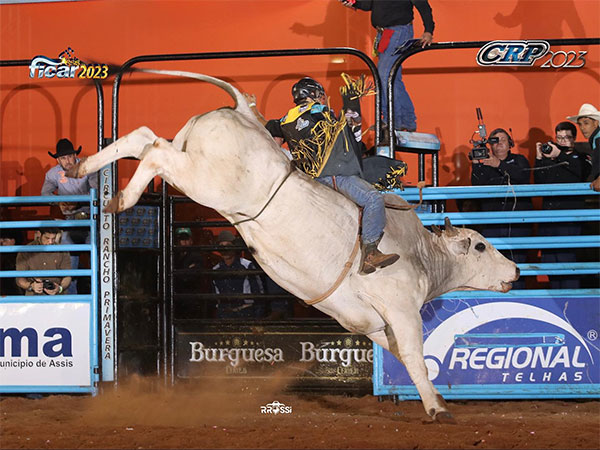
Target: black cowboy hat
point(64, 147)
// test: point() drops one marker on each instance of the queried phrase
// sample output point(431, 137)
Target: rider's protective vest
point(322, 145)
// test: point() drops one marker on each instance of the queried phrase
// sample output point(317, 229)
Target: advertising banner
point(44, 344)
point(503, 348)
point(322, 359)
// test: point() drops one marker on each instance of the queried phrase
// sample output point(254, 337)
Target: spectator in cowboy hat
point(57, 183)
point(588, 120)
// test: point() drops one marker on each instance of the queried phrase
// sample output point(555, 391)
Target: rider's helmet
point(307, 87)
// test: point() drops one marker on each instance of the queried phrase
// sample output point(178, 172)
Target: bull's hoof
point(76, 171)
point(73, 172)
point(444, 417)
point(114, 205)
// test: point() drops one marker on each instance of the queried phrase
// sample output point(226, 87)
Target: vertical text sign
point(107, 310)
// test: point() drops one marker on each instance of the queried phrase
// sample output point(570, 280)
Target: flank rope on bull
point(420, 185)
point(290, 171)
point(348, 264)
point(350, 261)
point(342, 275)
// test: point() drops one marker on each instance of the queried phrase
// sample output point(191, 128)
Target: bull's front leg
point(405, 337)
point(130, 145)
point(158, 158)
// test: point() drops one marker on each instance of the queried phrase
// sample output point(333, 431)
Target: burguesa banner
point(328, 358)
point(44, 345)
point(503, 348)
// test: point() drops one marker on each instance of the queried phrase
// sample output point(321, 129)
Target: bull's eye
point(480, 247)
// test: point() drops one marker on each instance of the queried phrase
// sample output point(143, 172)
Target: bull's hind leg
point(156, 158)
point(405, 340)
point(130, 145)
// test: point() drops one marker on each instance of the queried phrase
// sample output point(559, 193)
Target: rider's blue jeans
point(365, 195)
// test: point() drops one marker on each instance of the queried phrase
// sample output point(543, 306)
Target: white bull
point(226, 160)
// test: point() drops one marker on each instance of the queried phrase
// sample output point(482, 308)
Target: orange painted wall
point(445, 86)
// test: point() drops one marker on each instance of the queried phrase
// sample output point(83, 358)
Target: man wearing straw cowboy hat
point(588, 120)
point(57, 183)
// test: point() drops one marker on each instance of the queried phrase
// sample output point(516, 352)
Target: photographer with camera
point(502, 167)
point(44, 261)
point(559, 162)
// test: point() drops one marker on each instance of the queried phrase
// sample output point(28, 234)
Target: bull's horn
point(436, 230)
point(450, 230)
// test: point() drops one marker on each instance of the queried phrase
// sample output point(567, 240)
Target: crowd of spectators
point(556, 161)
point(238, 277)
point(55, 183)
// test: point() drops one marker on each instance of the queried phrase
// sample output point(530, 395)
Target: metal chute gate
point(51, 343)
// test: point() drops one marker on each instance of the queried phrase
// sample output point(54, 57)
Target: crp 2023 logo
point(67, 65)
point(526, 53)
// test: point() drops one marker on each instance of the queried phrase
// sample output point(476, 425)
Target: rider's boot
point(373, 259)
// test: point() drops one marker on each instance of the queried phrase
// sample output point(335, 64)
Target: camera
point(546, 149)
point(480, 149)
point(48, 284)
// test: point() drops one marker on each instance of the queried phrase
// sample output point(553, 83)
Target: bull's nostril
point(518, 272)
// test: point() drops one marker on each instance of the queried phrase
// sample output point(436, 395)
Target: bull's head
point(480, 265)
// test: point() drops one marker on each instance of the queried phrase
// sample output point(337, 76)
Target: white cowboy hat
point(586, 110)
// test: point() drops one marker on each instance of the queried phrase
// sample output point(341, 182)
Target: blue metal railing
point(520, 217)
point(90, 299)
point(502, 217)
point(411, 194)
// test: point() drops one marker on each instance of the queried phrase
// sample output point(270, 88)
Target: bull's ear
point(460, 247)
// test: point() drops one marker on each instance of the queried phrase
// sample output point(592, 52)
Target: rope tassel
point(315, 152)
point(356, 88)
point(392, 179)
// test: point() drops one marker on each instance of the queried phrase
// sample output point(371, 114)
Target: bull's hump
point(395, 200)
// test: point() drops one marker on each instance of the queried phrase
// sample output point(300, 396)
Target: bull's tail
point(241, 105)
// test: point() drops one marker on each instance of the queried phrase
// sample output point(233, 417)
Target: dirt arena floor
point(141, 413)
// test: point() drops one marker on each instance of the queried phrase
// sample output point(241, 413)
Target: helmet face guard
point(305, 88)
